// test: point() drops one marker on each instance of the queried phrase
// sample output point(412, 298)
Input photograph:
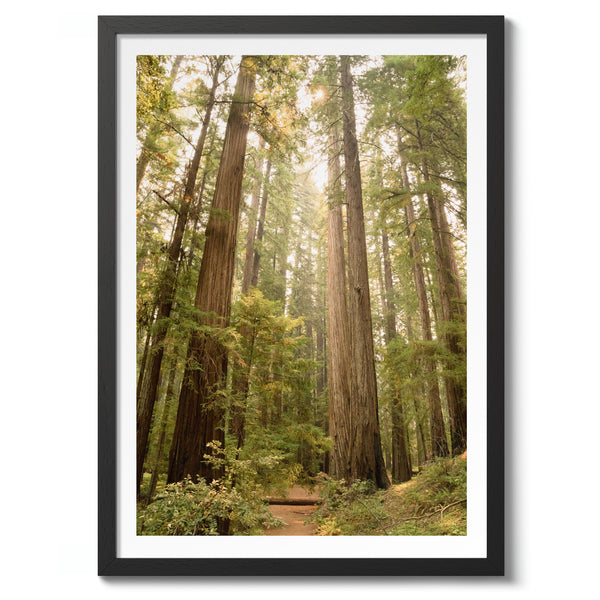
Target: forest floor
point(294, 515)
point(433, 502)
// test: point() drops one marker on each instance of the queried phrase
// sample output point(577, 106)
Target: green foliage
point(262, 449)
point(150, 82)
point(194, 507)
point(155, 100)
point(405, 363)
point(420, 102)
point(301, 447)
point(145, 485)
point(278, 404)
point(188, 508)
point(442, 482)
point(265, 338)
point(311, 444)
point(275, 113)
point(355, 509)
point(432, 503)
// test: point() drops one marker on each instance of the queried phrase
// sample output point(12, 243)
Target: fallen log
point(294, 501)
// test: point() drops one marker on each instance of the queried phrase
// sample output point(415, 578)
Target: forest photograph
point(301, 304)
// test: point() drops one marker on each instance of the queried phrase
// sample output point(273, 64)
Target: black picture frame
point(109, 27)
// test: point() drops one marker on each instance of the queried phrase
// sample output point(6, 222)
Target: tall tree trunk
point(308, 321)
point(455, 385)
point(252, 220)
point(164, 419)
point(241, 374)
point(195, 213)
point(283, 267)
point(438, 431)
point(260, 230)
point(320, 355)
point(401, 469)
point(401, 462)
point(240, 386)
point(144, 358)
point(155, 130)
point(453, 308)
point(339, 350)
point(195, 218)
point(325, 344)
point(320, 310)
point(423, 455)
point(167, 290)
point(367, 456)
point(200, 413)
point(431, 298)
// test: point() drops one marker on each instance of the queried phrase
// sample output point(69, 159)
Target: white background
point(48, 305)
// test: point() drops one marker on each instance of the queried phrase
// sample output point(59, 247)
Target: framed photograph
point(301, 295)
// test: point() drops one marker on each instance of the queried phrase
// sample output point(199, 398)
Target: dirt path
point(294, 517)
point(295, 514)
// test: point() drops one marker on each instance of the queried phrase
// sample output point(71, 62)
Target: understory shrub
point(194, 507)
point(432, 503)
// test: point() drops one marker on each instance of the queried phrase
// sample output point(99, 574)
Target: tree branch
point(442, 509)
point(167, 124)
point(374, 515)
point(169, 204)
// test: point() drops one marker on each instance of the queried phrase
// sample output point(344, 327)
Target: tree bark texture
point(367, 456)
point(200, 412)
point(339, 350)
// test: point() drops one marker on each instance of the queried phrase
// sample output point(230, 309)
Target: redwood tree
point(367, 457)
point(200, 414)
point(339, 350)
